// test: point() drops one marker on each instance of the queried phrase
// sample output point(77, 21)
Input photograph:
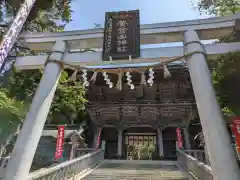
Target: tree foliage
point(219, 7)
point(46, 15)
point(226, 69)
point(11, 114)
point(69, 101)
point(10, 108)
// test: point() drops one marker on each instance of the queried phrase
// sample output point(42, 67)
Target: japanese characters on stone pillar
point(121, 35)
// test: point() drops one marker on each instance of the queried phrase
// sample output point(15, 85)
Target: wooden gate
point(134, 140)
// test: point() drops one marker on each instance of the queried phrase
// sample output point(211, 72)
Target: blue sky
point(88, 12)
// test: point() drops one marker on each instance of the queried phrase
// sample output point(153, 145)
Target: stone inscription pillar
point(221, 154)
point(28, 139)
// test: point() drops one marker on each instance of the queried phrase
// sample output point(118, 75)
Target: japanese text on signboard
point(121, 35)
point(60, 142)
point(122, 28)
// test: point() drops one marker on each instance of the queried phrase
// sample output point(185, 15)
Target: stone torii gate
point(191, 33)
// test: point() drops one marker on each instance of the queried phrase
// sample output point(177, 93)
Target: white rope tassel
point(166, 72)
point(151, 77)
point(106, 78)
point(84, 77)
point(74, 75)
point(143, 78)
point(129, 80)
point(94, 77)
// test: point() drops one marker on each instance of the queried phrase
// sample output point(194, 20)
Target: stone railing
point(198, 154)
point(82, 151)
point(193, 166)
point(69, 169)
point(46, 159)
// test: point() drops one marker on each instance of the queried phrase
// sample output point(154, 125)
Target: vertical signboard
point(236, 131)
point(121, 35)
point(179, 138)
point(60, 142)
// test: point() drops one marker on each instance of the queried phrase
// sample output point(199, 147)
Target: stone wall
point(45, 153)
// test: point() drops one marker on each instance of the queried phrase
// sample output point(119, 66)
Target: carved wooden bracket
point(119, 115)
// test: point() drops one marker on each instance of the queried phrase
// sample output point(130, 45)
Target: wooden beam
point(211, 28)
point(126, 126)
point(144, 105)
point(147, 55)
point(54, 133)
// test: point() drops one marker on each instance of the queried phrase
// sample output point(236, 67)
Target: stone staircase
point(136, 170)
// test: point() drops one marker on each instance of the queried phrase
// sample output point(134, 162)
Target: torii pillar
point(31, 132)
point(222, 158)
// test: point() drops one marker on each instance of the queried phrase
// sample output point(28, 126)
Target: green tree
point(45, 14)
point(226, 69)
point(219, 7)
point(69, 101)
point(12, 113)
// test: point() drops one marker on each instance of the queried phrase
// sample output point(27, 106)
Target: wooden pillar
point(215, 132)
point(186, 138)
point(120, 134)
point(95, 136)
point(160, 142)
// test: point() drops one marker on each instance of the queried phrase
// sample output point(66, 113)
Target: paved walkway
point(122, 171)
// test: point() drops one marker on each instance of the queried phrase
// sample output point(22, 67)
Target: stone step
point(125, 171)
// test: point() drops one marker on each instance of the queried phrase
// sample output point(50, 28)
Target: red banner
point(99, 139)
point(60, 142)
point(236, 131)
point(179, 138)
